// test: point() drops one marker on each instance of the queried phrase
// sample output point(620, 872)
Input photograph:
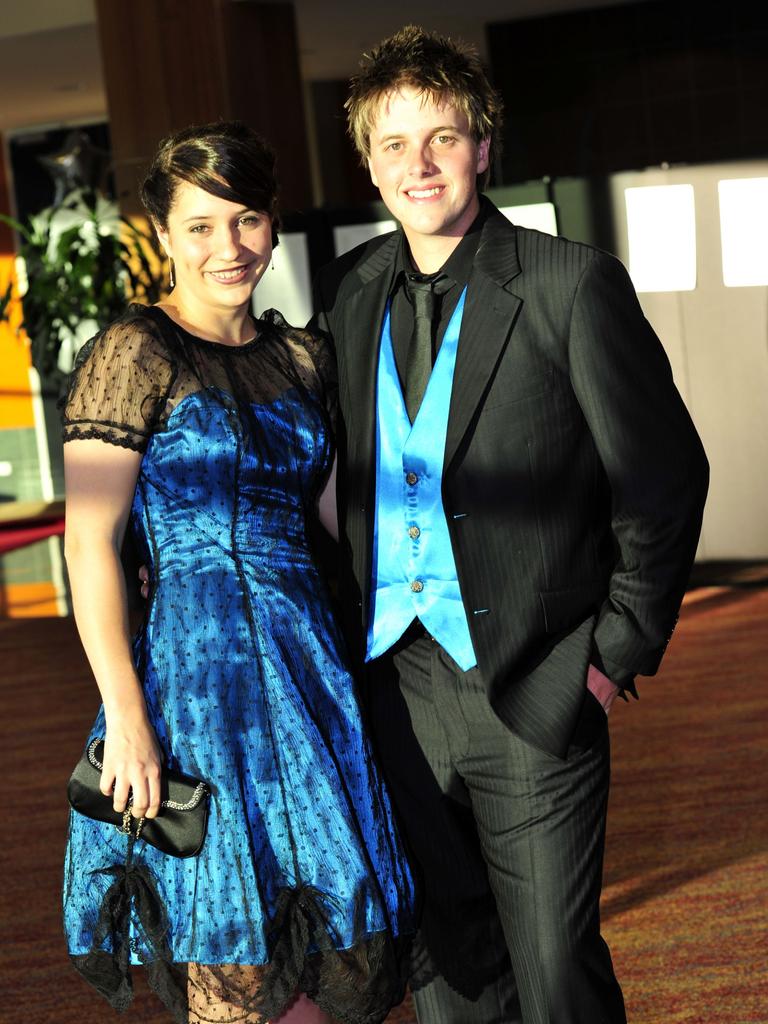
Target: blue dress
point(246, 686)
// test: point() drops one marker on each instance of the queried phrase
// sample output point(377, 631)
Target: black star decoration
point(78, 164)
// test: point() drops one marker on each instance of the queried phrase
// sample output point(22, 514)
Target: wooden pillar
point(6, 234)
point(344, 182)
point(171, 63)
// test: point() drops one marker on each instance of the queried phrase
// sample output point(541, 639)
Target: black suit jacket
point(573, 480)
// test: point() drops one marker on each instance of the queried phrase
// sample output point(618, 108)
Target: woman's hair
point(227, 159)
point(435, 66)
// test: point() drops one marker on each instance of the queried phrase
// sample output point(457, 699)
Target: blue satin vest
point(413, 570)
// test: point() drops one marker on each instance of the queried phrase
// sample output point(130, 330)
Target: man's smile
point(425, 193)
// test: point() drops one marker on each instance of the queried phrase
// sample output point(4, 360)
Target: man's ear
point(483, 151)
point(371, 172)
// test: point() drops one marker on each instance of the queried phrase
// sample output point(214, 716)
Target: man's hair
point(434, 65)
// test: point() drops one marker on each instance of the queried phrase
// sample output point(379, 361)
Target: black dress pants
point(509, 843)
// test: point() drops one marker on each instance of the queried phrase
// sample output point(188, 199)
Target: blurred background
point(636, 126)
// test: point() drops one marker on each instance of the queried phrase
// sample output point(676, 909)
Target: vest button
point(411, 479)
point(417, 586)
point(414, 532)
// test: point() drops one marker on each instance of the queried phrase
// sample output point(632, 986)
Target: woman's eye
point(249, 218)
point(395, 147)
point(198, 229)
point(444, 139)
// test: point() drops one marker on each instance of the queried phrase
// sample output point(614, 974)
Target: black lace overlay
point(355, 986)
point(128, 379)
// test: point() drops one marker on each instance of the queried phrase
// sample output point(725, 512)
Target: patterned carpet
point(687, 863)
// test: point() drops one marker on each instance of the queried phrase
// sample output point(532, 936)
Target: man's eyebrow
point(432, 131)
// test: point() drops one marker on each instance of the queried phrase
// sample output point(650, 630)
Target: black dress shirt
point(457, 269)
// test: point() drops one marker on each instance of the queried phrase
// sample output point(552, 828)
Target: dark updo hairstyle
point(227, 159)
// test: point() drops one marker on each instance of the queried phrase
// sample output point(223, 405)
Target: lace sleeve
point(324, 358)
point(120, 385)
point(313, 359)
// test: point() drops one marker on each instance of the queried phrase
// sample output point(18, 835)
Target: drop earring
point(171, 274)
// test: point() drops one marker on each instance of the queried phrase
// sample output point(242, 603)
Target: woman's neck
point(228, 326)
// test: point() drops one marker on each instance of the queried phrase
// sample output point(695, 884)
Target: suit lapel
point(489, 318)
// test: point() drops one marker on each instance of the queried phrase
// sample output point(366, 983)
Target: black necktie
point(418, 365)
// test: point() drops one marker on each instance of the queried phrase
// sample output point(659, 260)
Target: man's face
point(424, 162)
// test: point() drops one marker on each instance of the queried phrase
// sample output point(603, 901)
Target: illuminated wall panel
point(287, 287)
point(744, 231)
point(540, 216)
point(661, 230)
point(347, 236)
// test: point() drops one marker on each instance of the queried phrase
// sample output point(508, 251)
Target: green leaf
point(80, 265)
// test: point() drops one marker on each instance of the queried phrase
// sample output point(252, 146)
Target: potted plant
point(79, 264)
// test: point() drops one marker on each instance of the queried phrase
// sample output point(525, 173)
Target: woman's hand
point(132, 764)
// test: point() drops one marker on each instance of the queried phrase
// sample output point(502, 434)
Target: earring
point(171, 275)
point(272, 262)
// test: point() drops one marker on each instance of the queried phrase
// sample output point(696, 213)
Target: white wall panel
point(287, 287)
point(744, 231)
point(717, 341)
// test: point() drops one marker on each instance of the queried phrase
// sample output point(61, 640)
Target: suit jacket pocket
point(591, 724)
point(515, 389)
point(564, 608)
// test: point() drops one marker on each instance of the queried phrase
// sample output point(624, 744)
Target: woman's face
point(219, 249)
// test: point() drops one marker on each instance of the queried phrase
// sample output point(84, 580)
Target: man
point(520, 495)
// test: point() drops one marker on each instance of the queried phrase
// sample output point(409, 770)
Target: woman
point(212, 434)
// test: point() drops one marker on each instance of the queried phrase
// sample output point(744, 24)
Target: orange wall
point(15, 402)
point(28, 600)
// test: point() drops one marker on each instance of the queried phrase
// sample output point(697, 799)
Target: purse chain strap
point(126, 827)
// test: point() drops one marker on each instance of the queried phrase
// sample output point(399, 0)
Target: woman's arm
point(100, 482)
point(326, 503)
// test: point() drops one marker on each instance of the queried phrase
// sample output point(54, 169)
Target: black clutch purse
point(179, 828)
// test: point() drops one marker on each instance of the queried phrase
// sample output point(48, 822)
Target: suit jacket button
point(414, 532)
point(417, 586)
point(411, 479)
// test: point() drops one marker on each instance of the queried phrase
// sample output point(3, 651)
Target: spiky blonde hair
point(440, 68)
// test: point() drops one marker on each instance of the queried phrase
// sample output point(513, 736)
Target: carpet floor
point(686, 877)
